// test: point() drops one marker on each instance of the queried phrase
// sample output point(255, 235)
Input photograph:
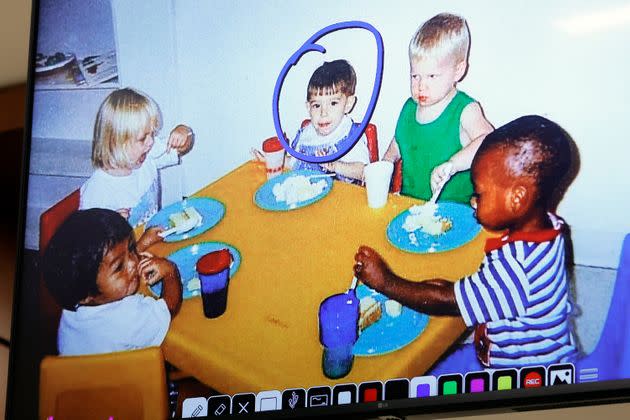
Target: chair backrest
point(49, 310)
point(122, 385)
point(371, 136)
point(611, 356)
point(396, 185)
point(51, 219)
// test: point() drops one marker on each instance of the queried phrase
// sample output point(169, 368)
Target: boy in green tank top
point(439, 128)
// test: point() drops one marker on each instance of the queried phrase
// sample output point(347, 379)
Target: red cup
point(274, 156)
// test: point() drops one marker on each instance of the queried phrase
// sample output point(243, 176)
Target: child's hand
point(328, 166)
point(180, 139)
point(150, 237)
point(124, 213)
point(370, 268)
point(441, 174)
point(153, 269)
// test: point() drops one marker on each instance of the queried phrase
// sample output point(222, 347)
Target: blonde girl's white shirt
point(138, 191)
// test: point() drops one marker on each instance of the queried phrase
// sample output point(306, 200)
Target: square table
point(268, 338)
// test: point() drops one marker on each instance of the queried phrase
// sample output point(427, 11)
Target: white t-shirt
point(133, 322)
point(138, 191)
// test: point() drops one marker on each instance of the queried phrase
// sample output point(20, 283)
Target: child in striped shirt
point(518, 301)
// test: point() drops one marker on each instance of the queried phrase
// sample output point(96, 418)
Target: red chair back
point(52, 218)
point(396, 186)
point(370, 134)
point(50, 311)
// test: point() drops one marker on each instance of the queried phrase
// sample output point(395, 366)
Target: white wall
point(146, 52)
point(229, 55)
point(214, 64)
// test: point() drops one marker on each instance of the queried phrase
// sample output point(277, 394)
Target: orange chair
point(370, 135)
point(123, 385)
point(50, 311)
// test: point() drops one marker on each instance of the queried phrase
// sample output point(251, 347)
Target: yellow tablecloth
point(268, 337)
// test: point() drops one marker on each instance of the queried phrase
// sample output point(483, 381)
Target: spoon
point(322, 176)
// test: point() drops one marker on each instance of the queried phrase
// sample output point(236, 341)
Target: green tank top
point(425, 146)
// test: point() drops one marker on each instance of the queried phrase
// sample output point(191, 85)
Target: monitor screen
point(337, 208)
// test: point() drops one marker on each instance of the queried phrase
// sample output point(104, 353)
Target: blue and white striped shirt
point(521, 293)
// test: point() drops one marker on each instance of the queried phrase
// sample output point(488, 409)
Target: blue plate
point(211, 211)
point(265, 199)
point(465, 229)
point(186, 261)
point(388, 334)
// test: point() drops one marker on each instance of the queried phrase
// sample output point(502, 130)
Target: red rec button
point(533, 380)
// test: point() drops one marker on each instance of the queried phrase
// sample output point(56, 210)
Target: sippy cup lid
point(214, 262)
point(272, 144)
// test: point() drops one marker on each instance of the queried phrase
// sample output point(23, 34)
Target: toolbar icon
point(293, 398)
point(561, 374)
point(195, 407)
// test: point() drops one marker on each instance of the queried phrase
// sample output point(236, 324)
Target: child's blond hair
point(443, 36)
point(123, 115)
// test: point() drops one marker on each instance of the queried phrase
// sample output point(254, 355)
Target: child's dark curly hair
point(74, 254)
point(332, 77)
point(539, 149)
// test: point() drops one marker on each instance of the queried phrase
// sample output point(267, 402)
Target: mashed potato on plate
point(296, 189)
point(424, 217)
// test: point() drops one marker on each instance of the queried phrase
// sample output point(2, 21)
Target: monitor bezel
point(578, 394)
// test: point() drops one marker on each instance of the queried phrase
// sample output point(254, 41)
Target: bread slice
point(370, 311)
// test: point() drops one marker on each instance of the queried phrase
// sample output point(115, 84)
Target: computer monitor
point(293, 209)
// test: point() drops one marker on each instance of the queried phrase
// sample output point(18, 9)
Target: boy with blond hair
point(439, 128)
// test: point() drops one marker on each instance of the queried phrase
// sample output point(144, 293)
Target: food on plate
point(194, 284)
point(393, 308)
point(370, 311)
point(424, 217)
point(179, 219)
point(298, 188)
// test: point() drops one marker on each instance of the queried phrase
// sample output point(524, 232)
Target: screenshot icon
point(504, 379)
point(344, 394)
point(423, 386)
point(450, 384)
point(293, 398)
point(370, 392)
point(477, 382)
point(563, 374)
point(319, 396)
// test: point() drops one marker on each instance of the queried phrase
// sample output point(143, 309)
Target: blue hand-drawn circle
point(310, 45)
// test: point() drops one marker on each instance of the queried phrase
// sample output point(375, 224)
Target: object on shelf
point(64, 70)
